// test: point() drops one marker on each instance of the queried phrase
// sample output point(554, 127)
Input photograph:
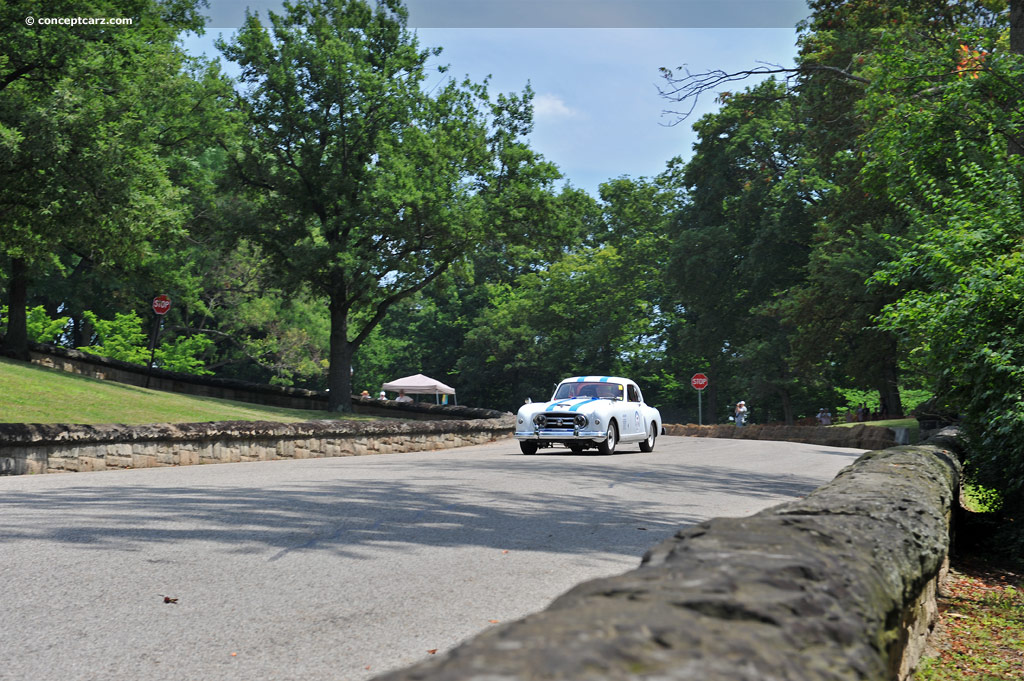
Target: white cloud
point(552, 106)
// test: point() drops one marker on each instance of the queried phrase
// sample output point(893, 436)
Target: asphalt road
point(344, 568)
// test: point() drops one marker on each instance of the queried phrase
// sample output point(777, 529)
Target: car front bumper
point(560, 435)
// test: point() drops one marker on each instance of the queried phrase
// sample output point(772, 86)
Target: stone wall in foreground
point(54, 448)
point(837, 586)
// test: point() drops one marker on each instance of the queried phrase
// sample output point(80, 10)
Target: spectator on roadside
point(402, 397)
point(740, 414)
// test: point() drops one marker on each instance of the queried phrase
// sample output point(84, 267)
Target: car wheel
point(648, 444)
point(528, 447)
point(607, 446)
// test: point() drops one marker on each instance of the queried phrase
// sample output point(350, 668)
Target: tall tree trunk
point(339, 372)
point(81, 331)
point(1017, 47)
point(889, 391)
point(787, 406)
point(1017, 26)
point(15, 343)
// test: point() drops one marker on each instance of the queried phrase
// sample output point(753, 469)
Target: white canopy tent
point(419, 385)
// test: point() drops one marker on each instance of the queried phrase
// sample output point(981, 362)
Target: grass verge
point(980, 632)
point(979, 635)
point(34, 394)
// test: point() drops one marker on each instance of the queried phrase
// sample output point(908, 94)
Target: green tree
point(373, 186)
point(599, 308)
point(741, 240)
point(41, 327)
point(945, 146)
point(260, 333)
point(530, 227)
point(891, 65)
point(963, 320)
point(636, 218)
point(91, 119)
point(851, 52)
point(570, 318)
point(125, 338)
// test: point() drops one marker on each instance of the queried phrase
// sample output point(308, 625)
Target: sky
point(593, 65)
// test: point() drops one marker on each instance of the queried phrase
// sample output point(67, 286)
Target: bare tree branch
point(691, 86)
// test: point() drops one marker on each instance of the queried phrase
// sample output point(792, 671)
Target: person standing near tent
point(402, 397)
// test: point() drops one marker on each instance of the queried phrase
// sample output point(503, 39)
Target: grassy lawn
point(34, 394)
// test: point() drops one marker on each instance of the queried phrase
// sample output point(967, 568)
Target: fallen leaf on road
point(432, 651)
point(493, 621)
point(168, 599)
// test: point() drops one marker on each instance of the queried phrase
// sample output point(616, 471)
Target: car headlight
point(580, 420)
point(540, 420)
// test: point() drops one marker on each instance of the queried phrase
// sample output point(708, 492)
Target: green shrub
point(963, 315)
point(124, 338)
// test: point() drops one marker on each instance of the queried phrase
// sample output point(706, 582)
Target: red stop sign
point(161, 304)
point(699, 381)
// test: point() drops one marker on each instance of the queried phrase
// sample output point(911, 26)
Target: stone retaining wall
point(53, 448)
point(837, 586)
point(861, 436)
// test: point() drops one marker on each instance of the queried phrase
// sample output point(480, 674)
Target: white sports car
point(598, 412)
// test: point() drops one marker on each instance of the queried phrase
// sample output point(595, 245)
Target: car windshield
point(591, 389)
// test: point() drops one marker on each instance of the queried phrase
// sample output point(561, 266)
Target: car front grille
point(559, 421)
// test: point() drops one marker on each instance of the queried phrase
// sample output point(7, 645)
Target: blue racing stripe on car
point(577, 406)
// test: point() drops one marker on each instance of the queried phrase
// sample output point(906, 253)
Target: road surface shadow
point(600, 507)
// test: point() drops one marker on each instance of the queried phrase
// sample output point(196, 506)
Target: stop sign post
point(161, 304)
point(699, 382)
